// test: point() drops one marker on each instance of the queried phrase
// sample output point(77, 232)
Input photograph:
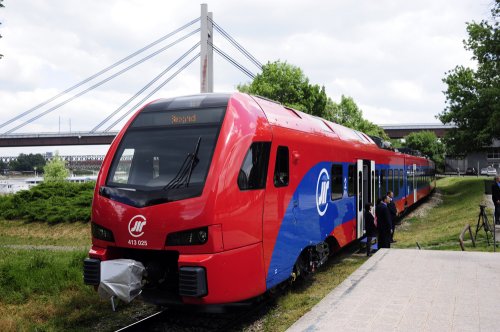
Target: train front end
point(157, 206)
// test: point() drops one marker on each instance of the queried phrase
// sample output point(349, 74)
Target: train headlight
point(187, 238)
point(102, 233)
point(203, 235)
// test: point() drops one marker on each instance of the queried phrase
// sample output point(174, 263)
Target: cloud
point(390, 56)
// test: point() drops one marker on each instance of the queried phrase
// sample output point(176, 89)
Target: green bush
point(50, 202)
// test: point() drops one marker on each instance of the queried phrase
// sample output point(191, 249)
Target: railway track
point(182, 319)
point(240, 318)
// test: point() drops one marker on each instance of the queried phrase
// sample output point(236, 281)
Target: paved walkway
point(43, 247)
point(413, 290)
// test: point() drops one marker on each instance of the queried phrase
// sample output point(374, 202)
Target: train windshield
point(164, 156)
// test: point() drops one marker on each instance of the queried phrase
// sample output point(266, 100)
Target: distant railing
point(59, 134)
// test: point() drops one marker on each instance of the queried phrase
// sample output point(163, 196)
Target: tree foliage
point(55, 170)
point(288, 85)
point(348, 114)
point(427, 143)
point(473, 95)
point(28, 162)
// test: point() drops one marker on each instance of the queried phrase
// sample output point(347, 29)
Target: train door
point(365, 191)
point(359, 198)
point(373, 181)
point(414, 184)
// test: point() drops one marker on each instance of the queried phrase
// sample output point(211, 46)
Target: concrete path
point(43, 247)
point(413, 290)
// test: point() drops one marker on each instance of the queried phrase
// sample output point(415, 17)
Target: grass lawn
point(43, 290)
point(435, 229)
point(301, 297)
point(37, 233)
point(439, 228)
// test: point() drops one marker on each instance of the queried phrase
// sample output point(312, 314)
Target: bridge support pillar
point(206, 51)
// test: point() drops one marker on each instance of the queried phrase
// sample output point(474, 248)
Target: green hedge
point(50, 202)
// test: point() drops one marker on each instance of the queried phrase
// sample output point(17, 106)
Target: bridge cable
point(154, 80)
point(154, 91)
point(233, 62)
point(103, 81)
point(100, 72)
point(237, 45)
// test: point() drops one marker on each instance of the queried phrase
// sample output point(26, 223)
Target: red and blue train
point(224, 196)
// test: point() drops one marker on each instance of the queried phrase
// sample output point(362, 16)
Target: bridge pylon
point(206, 51)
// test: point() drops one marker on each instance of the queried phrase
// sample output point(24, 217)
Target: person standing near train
point(370, 227)
point(384, 224)
point(393, 212)
point(495, 195)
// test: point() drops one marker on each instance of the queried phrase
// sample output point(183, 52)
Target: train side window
point(390, 180)
point(282, 168)
point(401, 179)
point(336, 182)
point(396, 183)
point(383, 186)
point(253, 171)
point(351, 180)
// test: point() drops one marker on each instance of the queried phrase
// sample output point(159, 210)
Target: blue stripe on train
point(309, 218)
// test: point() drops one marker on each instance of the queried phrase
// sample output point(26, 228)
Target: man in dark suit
point(393, 212)
point(384, 224)
point(495, 195)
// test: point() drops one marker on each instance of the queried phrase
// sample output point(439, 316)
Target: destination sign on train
point(179, 118)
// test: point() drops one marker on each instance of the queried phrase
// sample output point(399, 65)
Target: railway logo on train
point(218, 198)
point(135, 225)
point(322, 188)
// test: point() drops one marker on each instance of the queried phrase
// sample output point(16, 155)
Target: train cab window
point(337, 187)
point(351, 180)
point(282, 168)
point(123, 168)
point(253, 171)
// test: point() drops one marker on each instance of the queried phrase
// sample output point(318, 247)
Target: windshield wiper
point(183, 176)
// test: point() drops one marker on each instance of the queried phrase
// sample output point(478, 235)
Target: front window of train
point(164, 156)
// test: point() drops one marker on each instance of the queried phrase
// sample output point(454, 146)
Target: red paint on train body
point(240, 235)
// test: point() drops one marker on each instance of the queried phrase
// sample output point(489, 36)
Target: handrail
point(461, 237)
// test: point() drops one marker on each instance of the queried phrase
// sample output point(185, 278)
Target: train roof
point(203, 100)
point(277, 115)
point(282, 116)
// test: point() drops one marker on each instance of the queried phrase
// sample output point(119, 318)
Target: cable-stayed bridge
point(107, 128)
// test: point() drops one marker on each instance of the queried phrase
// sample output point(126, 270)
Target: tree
point(55, 170)
point(28, 162)
point(427, 143)
point(473, 96)
point(348, 114)
point(288, 85)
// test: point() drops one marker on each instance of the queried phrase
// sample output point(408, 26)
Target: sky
point(390, 56)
